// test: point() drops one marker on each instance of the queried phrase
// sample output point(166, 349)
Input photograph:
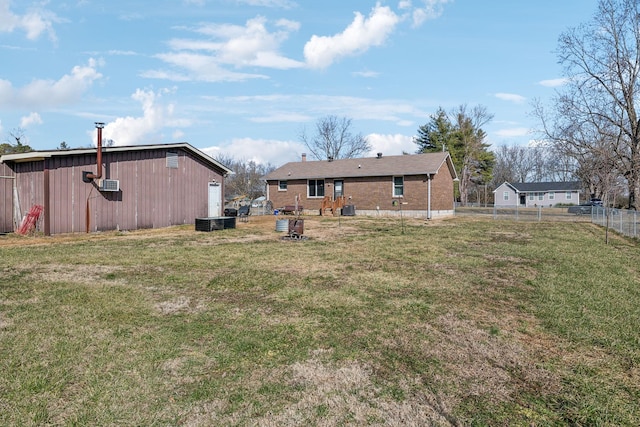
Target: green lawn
point(368, 322)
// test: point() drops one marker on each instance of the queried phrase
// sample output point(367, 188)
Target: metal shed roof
point(41, 155)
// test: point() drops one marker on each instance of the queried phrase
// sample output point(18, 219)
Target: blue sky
point(244, 78)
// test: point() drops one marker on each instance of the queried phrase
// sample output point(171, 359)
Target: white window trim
point(285, 185)
point(393, 187)
point(505, 196)
point(316, 185)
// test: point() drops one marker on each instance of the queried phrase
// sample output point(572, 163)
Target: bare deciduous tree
point(16, 143)
point(333, 139)
point(245, 180)
point(596, 112)
point(541, 163)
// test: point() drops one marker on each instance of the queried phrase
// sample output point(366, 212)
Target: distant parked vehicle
point(585, 208)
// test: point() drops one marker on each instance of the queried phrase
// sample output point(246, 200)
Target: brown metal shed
point(6, 199)
point(143, 186)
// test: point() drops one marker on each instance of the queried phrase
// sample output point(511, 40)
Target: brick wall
point(372, 193)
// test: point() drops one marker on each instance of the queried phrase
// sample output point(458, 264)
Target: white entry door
point(215, 200)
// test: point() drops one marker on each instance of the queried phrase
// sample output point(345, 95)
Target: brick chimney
point(304, 157)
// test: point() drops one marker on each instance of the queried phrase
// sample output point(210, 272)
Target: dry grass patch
point(368, 322)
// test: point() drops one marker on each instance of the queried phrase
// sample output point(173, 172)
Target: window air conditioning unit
point(109, 185)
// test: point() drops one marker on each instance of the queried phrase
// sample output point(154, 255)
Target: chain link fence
point(620, 220)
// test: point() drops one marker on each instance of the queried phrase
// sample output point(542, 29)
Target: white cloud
point(47, 93)
point(282, 117)
point(358, 37)
point(261, 151)
point(31, 119)
point(554, 82)
point(122, 52)
point(146, 129)
point(429, 9)
point(366, 74)
point(197, 67)
point(513, 132)
point(511, 97)
point(285, 4)
point(35, 22)
point(251, 45)
point(177, 135)
point(390, 145)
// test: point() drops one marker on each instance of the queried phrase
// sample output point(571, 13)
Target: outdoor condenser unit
point(109, 185)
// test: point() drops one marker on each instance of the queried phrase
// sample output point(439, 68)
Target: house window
point(315, 188)
point(282, 185)
point(505, 195)
point(568, 195)
point(552, 195)
point(398, 186)
point(172, 159)
point(532, 196)
point(540, 196)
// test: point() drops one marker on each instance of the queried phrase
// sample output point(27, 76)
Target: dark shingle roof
point(414, 164)
point(528, 187)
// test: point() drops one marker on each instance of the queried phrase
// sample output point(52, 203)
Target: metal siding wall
point(151, 195)
point(195, 185)
point(6, 199)
point(145, 192)
point(29, 181)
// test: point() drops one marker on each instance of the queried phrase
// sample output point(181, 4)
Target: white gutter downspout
point(428, 196)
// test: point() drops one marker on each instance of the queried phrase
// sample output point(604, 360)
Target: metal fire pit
point(296, 230)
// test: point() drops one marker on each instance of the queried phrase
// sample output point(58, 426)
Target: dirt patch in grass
point(326, 393)
point(74, 273)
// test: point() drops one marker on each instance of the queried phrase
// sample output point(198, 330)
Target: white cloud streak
point(513, 132)
point(554, 82)
point(251, 45)
point(427, 9)
point(262, 151)
point(511, 97)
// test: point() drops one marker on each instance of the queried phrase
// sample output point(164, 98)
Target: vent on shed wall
point(109, 185)
point(172, 160)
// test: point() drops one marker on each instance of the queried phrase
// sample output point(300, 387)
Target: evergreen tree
point(460, 133)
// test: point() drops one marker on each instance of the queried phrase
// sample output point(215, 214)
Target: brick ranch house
point(419, 185)
point(142, 186)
